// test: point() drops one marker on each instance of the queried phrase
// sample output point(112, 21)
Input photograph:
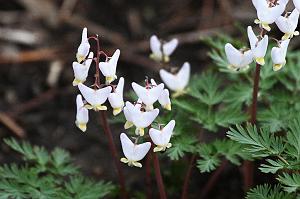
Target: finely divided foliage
point(47, 175)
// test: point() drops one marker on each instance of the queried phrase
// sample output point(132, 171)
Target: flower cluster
point(268, 12)
point(140, 114)
point(95, 97)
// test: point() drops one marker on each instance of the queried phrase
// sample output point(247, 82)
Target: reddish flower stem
point(148, 177)
point(248, 167)
point(107, 130)
point(185, 186)
point(114, 153)
point(213, 179)
point(159, 180)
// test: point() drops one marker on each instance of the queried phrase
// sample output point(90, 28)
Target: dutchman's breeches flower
point(162, 51)
point(238, 59)
point(258, 47)
point(82, 115)
point(116, 98)
point(84, 47)
point(81, 71)
point(177, 82)
point(108, 69)
point(138, 118)
point(95, 98)
point(161, 138)
point(288, 25)
point(278, 55)
point(133, 152)
point(148, 95)
point(268, 13)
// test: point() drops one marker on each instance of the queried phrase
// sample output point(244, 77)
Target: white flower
point(258, 47)
point(288, 24)
point(148, 95)
point(278, 55)
point(162, 51)
point(81, 70)
point(116, 98)
point(133, 152)
point(82, 115)
point(139, 118)
point(164, 98)
point(84, 47)
point(161, 138)
point(297, 4)
point(108, 69)
point(95, 97)
point(268, 13)
point(128, 109)
point(177, 82)
point(238, 59)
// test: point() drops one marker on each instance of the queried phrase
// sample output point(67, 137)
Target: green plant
point(47, 175)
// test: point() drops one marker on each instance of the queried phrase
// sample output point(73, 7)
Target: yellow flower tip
point(277, 67)
point(178, 93)
point(88, 106)
point(81, 126)
point(137, 164)
point(257, 21)
point(159, 149)
point(166, 59)
point(116, 111)
point(79, 58)
point(100, 108)
point(76, 82)
point(266, 27)
point(162, 148)
point(155, 57)
point(285, 36)
point(124, 160)
point(110, 79)
point(149, 107)
point(169, 145)
point(140, 131)
point(260, 61)
point(128, 125)
point(131, 163)
point(168, 107)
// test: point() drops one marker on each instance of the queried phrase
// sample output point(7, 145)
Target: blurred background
point(38, 42)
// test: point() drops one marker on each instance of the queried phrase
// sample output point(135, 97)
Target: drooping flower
point(95, 98)
point(278, 55)
point(238, 59)
point(177, 82)
point(148, 95)
point(82, 115)
point(161, 138)
point(81, 70)
point(108, 69)
point(162, 51)
point(288, 25)
point(297, 4)
point(268, 12)
point(138, 118)
point(258, 47)
point(116, 98)
point(164, 98)
point(133, 152)
point(128, 109)
point(84, 47)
